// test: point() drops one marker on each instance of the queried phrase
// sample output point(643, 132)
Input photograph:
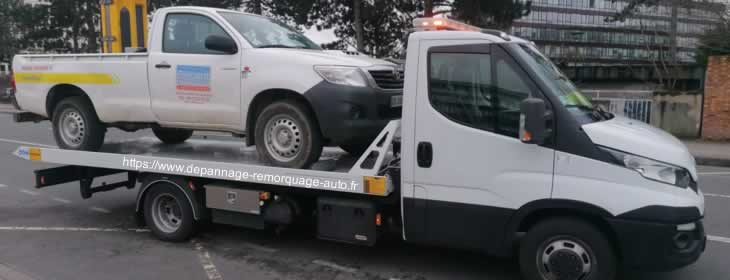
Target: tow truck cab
point(498, 141)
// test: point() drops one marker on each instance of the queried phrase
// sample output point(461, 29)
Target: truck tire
point(564, 248)
point(168, 213)
point(76, 126)
point(287, 135)
point(172, 135)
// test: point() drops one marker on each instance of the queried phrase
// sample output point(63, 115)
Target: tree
point(8, 39)
point(79, 22)
point(384, 23)
point(35, 30)
point(664, 58)
point(714, 42)
point(498, 14)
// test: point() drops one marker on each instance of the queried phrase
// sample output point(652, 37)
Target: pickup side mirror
point(532, 121)
point(220, 43)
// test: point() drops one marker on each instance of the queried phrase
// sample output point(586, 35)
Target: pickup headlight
point(652, 169)
point(342, 75)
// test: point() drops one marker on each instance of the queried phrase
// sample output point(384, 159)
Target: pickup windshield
point(263, 32)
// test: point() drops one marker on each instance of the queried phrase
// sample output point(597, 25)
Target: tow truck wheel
point(287, 135)
point(566, 249)
point(168, 213)
point(76, 126)
point(172, 135)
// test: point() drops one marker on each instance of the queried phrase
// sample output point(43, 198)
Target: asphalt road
point(54, 234)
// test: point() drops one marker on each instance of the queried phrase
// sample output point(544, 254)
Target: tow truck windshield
point(263, 32)
point(567, 93)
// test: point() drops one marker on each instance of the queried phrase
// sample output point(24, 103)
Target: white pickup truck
point(219, 70)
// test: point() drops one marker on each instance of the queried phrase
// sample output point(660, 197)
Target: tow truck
point(496, 152)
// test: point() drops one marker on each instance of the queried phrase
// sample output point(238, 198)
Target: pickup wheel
point(168, 213)
point(172, 135)
point(287, 135)
point(564, 248)
point(76, 126)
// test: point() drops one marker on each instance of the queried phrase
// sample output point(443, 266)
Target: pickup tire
point(172, 135)
point(76, 126)
point(287, 135)
point(168, 213)
point(565, 248)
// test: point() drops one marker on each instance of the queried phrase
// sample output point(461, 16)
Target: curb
point(722, 162)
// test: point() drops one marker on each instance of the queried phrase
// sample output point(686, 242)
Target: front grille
point(387, 79)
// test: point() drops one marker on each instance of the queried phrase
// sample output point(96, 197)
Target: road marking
point(335, 266)
point(713, 173)
point(717, 195)
point(61, 200)
point(260, 248)
point(206, 261)
point(718, 239)
point(11, 274)
point(26, 143)
point(28, 192)
point(3, 186)
point(91, 229)
point(100, 210)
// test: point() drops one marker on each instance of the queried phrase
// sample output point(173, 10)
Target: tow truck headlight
point(342, 75)
point(652, 169)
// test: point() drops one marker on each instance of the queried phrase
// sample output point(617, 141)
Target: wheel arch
point(149, 180)
point(62, 91)
point(266, 97)
point(534, 212)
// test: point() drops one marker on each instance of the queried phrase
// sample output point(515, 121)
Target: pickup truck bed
point(115, 83)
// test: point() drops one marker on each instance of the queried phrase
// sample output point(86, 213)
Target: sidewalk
point(709, 152)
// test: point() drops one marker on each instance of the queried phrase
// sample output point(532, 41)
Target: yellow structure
point(123, 24)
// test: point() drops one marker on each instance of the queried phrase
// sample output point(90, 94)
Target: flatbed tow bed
point(225, 171)
point(214, 160)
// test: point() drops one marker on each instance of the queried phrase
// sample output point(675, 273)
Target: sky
point(320, 37)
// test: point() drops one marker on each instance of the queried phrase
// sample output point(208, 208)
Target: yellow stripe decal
point(65, 78)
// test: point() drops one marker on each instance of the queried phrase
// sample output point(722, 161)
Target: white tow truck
point(496, 152)
point(220, 70)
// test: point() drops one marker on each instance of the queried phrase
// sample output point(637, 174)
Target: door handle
point(162, 65)
point(424, 154)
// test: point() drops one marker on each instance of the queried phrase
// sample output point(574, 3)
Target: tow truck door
point(190, 84)
point(471, 172)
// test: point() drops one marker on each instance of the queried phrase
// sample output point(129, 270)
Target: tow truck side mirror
point(532, 121)
point(221, 43)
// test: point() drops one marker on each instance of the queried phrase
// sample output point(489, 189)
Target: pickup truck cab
point(221, 70)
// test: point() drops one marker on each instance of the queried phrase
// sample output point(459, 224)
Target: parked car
point(5, 87)
point(222, 70)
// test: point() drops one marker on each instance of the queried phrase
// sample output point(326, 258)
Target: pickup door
point(190, 84)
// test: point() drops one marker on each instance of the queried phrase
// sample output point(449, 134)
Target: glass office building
point(577, 35)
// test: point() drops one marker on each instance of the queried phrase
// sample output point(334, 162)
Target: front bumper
point(349, 114)
point(658, 246)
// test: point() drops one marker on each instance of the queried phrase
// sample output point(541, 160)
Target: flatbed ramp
point(230, 161)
